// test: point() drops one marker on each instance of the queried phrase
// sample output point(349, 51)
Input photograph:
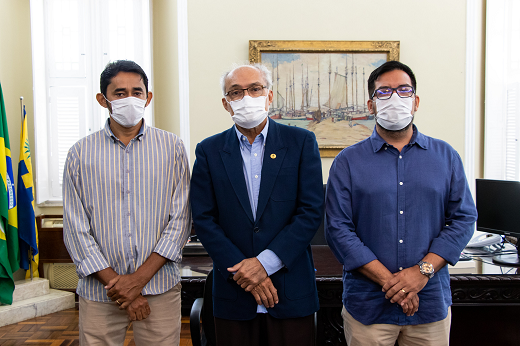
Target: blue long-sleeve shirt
point(396, 207)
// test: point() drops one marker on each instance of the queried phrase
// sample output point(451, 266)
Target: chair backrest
point(208, 323)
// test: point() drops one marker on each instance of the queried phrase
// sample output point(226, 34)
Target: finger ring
point(402, 290)
point(118, 303)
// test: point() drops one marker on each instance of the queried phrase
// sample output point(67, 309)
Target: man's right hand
point(139, 309)
point(265, 293)
point(412, 306)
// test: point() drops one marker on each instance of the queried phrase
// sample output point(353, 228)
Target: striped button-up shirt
point(121, 203)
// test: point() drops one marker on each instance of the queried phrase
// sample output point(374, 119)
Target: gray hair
point(261, 68)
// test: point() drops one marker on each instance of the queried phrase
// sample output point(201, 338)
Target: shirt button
point(401, 212)
point(400, 268)
point(256, 229)
point(400, 157)
point(256, 176)
point(129, 213)
point(255, 154)
point(400, 183)
point(400, 241)
point(386, 148)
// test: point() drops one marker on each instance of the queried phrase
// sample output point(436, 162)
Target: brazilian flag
point(9, 251)
point(26, 221)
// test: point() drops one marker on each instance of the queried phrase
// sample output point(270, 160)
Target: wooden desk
point(485, 308)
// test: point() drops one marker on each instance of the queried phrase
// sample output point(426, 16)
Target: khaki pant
point(428, 334)
point(104, 324)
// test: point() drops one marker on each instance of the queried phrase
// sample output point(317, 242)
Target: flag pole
point(30, 249)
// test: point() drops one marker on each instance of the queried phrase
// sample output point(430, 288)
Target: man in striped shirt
point(126, 218)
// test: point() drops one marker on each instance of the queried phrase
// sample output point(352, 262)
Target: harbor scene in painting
point(325, 93)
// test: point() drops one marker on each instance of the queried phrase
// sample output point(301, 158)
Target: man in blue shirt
point(398, 210)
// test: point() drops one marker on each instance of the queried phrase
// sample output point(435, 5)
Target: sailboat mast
point(277, 81)
point(319, 105)
point(303, 91)
point(330, 71)
point(364, 93)
point(352, 79)
point(286, 97)
point(346, 82)
point(293, 91)
point(357, 107)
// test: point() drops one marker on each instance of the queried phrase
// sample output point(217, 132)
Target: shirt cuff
point(270, 261)
point(91, 264)
point(168, 249)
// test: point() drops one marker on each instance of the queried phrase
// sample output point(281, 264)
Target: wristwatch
point(426, 269)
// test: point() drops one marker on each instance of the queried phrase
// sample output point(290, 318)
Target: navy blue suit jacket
point(289, 212)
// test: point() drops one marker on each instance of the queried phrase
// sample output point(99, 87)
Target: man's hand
point(139, 309)
point(404, 285)
point(249, 273)
point(124, 289)
point(265, 293)
point(412, 306)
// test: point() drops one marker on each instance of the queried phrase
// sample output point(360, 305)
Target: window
point(72, 41)
point(502, 128)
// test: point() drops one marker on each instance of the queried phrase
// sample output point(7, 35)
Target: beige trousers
point(428, 334)
point(104, 324)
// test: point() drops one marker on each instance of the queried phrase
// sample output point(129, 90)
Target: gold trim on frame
point(257, 47)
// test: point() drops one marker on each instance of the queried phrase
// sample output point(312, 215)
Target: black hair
point(114, 67)
point(388, 67)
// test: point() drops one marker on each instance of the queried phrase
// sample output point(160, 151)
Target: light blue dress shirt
point(252, 161)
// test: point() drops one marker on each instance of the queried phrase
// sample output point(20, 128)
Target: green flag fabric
point(9, 250)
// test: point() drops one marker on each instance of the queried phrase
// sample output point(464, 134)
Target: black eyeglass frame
point(396, 91)
point(243, 93)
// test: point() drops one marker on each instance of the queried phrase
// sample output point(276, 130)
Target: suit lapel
point(273, 157)
point(232, 159)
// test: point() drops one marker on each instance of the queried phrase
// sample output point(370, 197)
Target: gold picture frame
point(340, 117)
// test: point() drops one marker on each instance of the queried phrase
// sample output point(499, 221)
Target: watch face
point(427, 268)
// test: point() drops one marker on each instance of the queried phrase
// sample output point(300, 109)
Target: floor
point(61, 329)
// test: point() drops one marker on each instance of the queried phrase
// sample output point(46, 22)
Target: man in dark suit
point(257, 199)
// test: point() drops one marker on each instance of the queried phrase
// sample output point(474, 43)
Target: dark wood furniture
point(50, 243)
point(485, 308)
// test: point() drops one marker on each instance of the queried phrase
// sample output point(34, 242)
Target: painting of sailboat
point(323, 92)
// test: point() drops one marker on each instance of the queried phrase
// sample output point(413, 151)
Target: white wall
point(432, 36)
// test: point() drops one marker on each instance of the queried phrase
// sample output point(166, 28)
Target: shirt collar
point(109, 133)
point(417, 138)
point(264, 133)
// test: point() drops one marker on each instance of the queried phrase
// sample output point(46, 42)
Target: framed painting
point(322, 86)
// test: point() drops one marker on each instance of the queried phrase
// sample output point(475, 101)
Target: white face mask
point(395, 113)
point(127, 112)
point(249, 112)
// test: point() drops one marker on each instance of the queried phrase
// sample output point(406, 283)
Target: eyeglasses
point(238, 94)
point(402, 91)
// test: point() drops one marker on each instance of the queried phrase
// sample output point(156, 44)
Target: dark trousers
point(265, 330)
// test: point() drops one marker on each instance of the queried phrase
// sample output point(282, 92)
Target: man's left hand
point(409, 280)
point(124, 289)
point(248, 273)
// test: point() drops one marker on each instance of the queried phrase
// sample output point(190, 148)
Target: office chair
point(202, 325)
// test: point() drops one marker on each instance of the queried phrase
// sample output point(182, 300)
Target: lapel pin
point(273, 156)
